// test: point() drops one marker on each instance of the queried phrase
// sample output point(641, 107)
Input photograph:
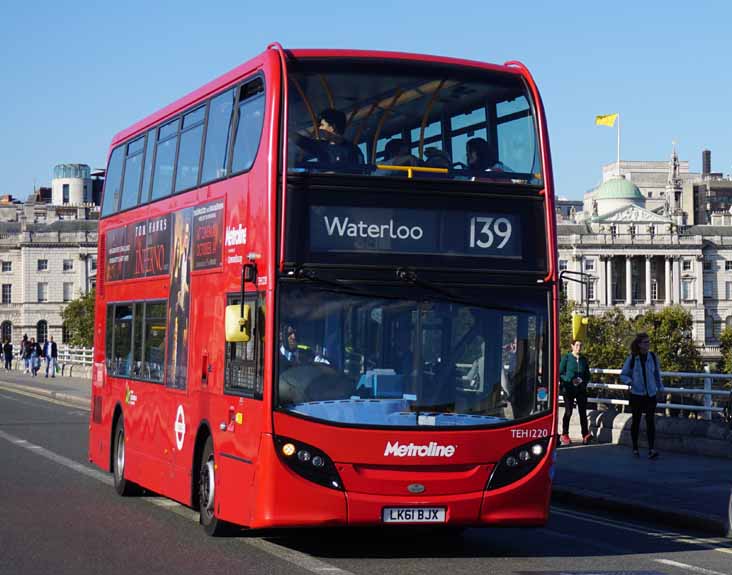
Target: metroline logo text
point(412, 450)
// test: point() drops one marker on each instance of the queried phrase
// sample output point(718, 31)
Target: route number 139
point(484, 231)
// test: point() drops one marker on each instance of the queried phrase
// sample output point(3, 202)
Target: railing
point(716, 401)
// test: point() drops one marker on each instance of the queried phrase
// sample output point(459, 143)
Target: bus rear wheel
point(122, 486)
point(207, 493)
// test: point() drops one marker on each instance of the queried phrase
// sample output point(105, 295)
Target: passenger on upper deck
point(330, 148)
point(483, 157)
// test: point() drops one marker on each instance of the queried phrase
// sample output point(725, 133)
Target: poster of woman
point(178, 301)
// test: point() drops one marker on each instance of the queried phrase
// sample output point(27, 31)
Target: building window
point(65, 334)
point(590, 265)
point(708, 326)
point(728, 265)
point(686, 265)
point(7, 289)
point(68, 265)
point(728, 290)
point(591, 291)
point(7, 266)
point(6, 331)
point(654, 290)
point(562, 265)
point(707, 265)
point(93, 264)
point(41, 331)
point(66, 193)
point(42, 265)
point(43, 291)
point(68, 291)
point(687, 290)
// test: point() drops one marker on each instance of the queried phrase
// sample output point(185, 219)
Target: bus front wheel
point(121, 485)
point(207, 493)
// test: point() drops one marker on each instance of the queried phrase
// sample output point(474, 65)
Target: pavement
point(681, 490)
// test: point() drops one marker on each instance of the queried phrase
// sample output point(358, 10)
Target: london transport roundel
point(180, 427)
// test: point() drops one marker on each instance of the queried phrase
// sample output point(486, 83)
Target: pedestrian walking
point(574, 375)
point(8, 354)
point(50, 352)
point(36, 353)
point(643, 374)
point(24, 353)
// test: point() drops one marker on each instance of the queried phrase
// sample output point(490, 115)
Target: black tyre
point(207, 494)
point(122, 486)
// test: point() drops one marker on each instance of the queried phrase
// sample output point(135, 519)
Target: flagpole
point(618, 144)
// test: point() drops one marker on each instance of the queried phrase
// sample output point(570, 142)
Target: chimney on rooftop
point(706, 163)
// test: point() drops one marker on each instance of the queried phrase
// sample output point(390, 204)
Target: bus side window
point(133, 172)
point(165, 159)
point(218, 137)
point(113, 181)
point(249, 121)
point(244, 361)
point(189, 152)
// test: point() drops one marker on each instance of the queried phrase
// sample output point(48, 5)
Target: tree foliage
point(670, 330)
point(79, 320)
point(725, 345)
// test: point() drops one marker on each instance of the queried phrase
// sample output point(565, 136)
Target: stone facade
point(48, 257)
point(642, 255)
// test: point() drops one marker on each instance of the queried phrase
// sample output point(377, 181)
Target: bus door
point(238, 415)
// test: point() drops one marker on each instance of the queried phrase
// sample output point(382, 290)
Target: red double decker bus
point(330, 296)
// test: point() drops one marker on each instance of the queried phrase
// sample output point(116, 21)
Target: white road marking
point(302, 560)
point(60, 459)
point(692, 568)
point(716, 544)
point(28, 392)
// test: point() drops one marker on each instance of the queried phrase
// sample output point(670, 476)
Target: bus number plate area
point(414, 515)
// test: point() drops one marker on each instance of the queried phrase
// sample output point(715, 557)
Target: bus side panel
point(284, 499)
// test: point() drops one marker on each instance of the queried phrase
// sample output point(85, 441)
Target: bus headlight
point(517, 463)
point(308, 462)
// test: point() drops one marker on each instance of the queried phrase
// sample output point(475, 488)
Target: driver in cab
point(289, 352)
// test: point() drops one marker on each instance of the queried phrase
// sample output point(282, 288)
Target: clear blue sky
point(74, 73)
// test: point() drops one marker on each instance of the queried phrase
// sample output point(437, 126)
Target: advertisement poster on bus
point(208, 226)
point(118, 254)
point(151, 253)
point(178, 299)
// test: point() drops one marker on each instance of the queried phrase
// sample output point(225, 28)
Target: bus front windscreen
point(405, 119)
point(381, 360)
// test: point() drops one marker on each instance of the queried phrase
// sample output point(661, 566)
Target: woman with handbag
point(642, 373)
point(574, 375)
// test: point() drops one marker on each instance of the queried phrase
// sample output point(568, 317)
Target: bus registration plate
point(413, 515)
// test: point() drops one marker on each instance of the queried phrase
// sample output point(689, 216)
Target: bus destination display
point(406, 230)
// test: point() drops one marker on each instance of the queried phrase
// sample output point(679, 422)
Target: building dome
point(617, 193)
point(619, 189)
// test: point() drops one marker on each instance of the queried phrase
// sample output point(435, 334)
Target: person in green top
point(574, 375)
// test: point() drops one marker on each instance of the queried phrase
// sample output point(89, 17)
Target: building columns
point(609, 285)
point(700, 280)
point(667, 282)
point(648, 279)
point(602, 281)
point(628, 280)
point(676, 295)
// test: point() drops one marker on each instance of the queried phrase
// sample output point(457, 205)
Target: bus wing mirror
point(238, 324)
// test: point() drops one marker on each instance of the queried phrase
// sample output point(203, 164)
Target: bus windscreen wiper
point(411, 277)
point(340, 285)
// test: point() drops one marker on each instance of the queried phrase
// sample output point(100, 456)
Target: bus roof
point(231, 77)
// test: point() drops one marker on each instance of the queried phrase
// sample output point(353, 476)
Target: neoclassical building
point(48, 250)
point(640, 254)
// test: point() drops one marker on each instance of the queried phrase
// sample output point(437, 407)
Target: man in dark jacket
point(574, 375)
point(50, 352)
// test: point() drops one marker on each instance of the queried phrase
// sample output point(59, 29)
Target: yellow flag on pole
point(607, 120)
